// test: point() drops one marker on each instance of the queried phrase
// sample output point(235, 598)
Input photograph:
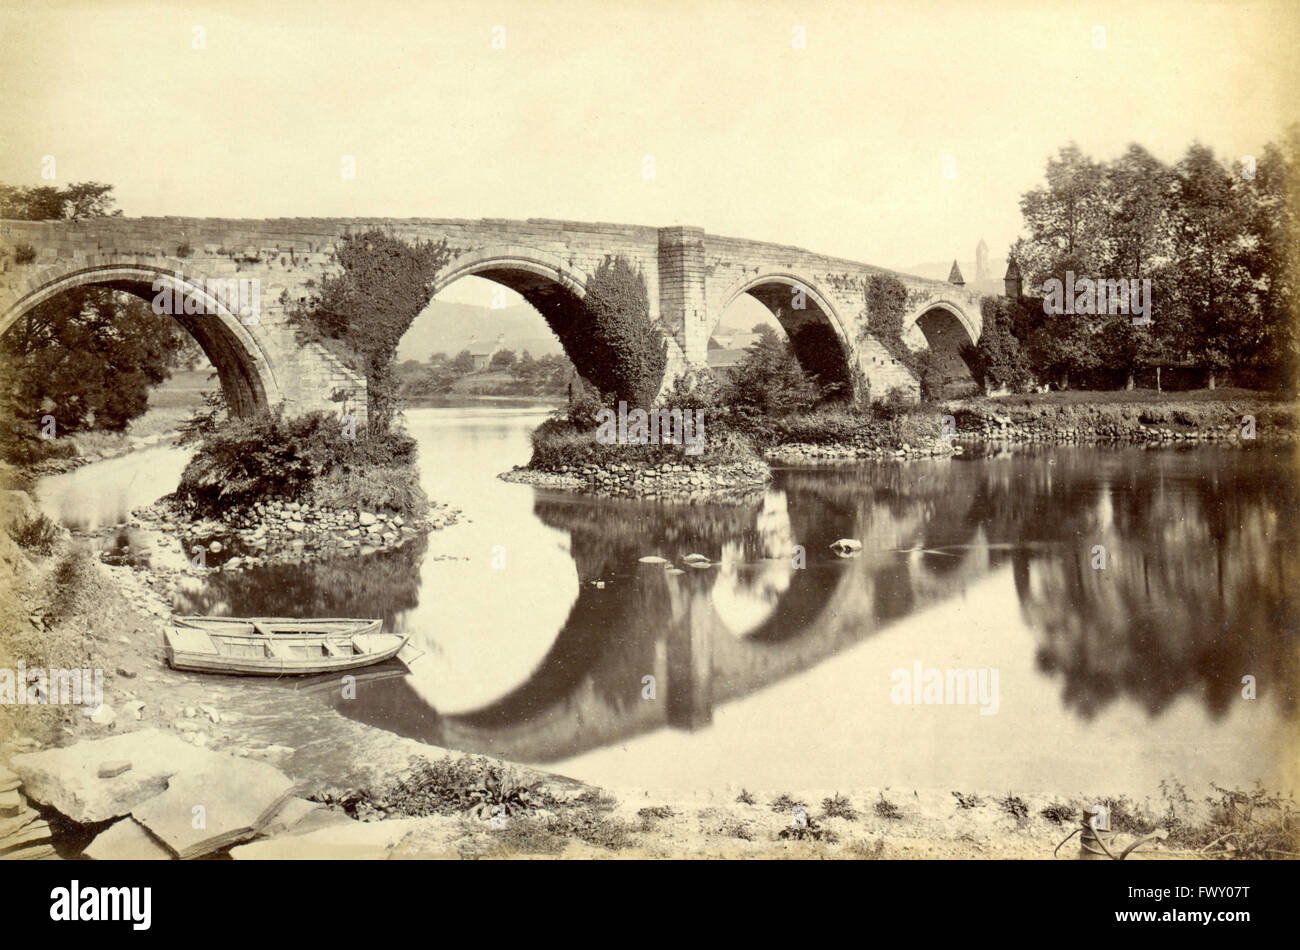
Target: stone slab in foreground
point(68, 778)
point(209, 809)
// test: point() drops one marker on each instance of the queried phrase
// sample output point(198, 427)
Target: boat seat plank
point(192, 640)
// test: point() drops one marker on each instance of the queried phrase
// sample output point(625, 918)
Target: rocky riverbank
point(286, 531)
point(799, 452)
point(1145, 423)
point(666, 480)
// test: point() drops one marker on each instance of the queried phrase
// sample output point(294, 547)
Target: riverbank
point(284, 531)
point(731, 460)
point(1137, 416)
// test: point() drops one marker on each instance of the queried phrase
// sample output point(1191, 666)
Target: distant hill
point(450, 327)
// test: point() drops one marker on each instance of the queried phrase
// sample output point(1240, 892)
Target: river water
point(781, 665)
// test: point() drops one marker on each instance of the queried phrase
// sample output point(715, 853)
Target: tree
point(90, 355)
point(84, 199)
point(769, 381)
point(1066, 220)
point(502, 359)
point(1215, 291)
point(463, 363)
point(384, 284)
point(88, 358)
point(1271, 254)
point(997, 360)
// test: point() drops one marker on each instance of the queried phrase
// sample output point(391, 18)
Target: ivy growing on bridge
point(887, 302)
point(621, 350)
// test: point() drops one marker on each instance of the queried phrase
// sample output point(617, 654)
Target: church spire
point(954, 275)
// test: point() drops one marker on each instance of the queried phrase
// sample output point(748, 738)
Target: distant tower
point(981, 261)
point(954, 276)
point(1012, 280)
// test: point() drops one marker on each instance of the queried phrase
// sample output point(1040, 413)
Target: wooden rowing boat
point(254, 648)
point(282, 626)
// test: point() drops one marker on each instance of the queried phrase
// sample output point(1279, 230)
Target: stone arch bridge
point(691, 277)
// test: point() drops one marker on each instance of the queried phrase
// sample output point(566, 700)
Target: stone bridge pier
point(235, 279)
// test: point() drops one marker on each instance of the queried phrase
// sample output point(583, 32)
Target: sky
point(896, 134)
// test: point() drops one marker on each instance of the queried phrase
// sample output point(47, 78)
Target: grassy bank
point(1130, 414)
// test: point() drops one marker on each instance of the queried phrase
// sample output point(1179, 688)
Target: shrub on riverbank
point(308, 458)
point(558, 442)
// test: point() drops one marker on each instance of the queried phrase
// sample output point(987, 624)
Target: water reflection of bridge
point(713, 635)
point(1195, 592)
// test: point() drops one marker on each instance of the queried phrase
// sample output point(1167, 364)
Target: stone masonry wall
point(691, 276)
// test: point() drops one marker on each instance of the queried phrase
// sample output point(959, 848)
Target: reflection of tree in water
point(1192, 596)
point(384, 584)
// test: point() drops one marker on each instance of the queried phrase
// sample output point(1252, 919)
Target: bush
point(896, 403)
point(382, 488)
point(584, 404)
point(38, 534)
point(768, 382)
point(243, 462)
point(557, 443)
point(694, 389)
point(24, 254)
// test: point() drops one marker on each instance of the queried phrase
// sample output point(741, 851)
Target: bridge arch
point(947, 328)
point(950, 307)
point(246, 373)
point(515, 266)
point(553, 287)
point(817, 332)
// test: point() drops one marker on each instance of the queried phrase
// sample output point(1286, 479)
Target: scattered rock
point(847, 547)
point(653, 559)
point(104, 716)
